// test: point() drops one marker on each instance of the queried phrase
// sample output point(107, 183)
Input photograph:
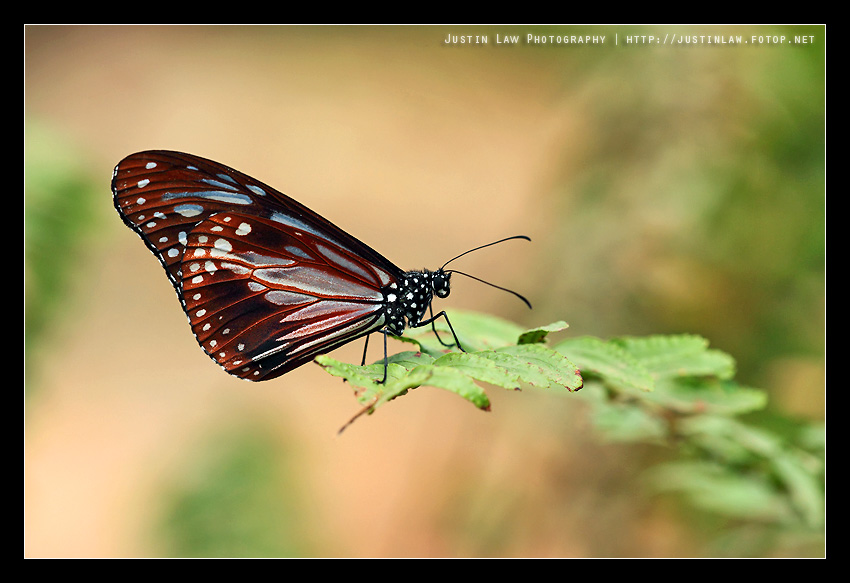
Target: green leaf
point(622, 421)
point(539, 366)
point(539, 334)
point(408, 360)
point(402, 375)
point(405, 371)
point(480, 368)
point(658, 389)
point(803, 488)
point(607, 360)
point(459, 372)
point(723, 490)
point(706, 395)
point(454, 380)
point(683, 355)
point(738, 444)
point(364, 379)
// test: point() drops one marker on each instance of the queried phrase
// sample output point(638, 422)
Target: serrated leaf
point(358, 376)
point(398, 385)
point(681, 355)
point(707, 395)
point(480, 368)
point(539, 334)
point(377, 394)
point(607, 360)
point(454, 380)
point(409, 359)
point(539, 366)
point(459, 372)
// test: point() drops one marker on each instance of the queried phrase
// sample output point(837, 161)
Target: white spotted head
point(440, 281)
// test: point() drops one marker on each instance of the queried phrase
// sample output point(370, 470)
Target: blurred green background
point(666, 188)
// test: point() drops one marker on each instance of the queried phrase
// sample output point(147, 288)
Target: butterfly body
point(409, 298)
point(266, 283)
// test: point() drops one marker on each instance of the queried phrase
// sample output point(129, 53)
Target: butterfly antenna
point(510, 291)
point(527, 303)
point(482, 247)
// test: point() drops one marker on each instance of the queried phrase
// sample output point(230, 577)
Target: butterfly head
point(440, 282)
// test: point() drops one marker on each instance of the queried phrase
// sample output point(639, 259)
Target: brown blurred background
point(666, 189)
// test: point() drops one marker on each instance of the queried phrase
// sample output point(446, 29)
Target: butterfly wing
point(162, 195)
point(263, 298)
point(267, 284)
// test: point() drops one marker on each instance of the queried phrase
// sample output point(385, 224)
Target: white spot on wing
point(188, 210)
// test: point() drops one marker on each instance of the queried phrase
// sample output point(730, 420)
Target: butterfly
point(266, 283)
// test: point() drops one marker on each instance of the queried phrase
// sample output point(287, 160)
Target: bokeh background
point(666, 189)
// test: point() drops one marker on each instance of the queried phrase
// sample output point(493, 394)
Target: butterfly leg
point(444, 315)
point(386, 360)
point(365, 347)
point(434, 328)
